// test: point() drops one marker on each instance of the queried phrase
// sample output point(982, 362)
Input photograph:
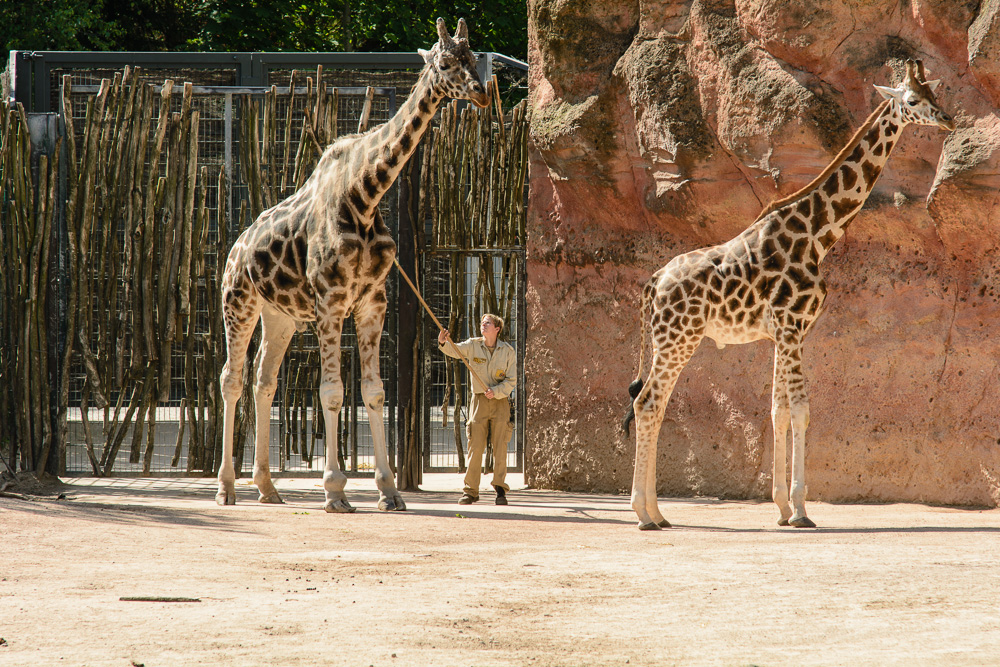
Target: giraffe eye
point(444, 66)
point(912, 103)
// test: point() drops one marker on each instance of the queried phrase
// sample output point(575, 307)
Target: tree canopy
point(258, 25)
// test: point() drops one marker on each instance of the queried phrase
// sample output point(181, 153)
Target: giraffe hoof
point(802, 522)
point(649, 526)
point(663, 523)
point(225, 498)
point(271, 499)
point(392, 504)
point(339, 507)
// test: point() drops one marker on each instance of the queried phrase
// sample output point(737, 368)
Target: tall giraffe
point(765, 283)
point(321, 255)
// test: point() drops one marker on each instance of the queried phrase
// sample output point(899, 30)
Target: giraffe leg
point(649, 407)
point(368, 319)
point(799, 405)
point(653, 508)
point(240, 315)
point(790, 405)
point(331, 397)
point(800, 421)
point(276, 333)
point(779, 423)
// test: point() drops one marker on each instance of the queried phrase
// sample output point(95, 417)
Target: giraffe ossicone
point(765, 284)
point(321, 255)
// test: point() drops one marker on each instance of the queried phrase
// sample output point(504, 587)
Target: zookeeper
point(495, 362)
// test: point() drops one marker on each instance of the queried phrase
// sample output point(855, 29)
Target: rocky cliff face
point(663, 126)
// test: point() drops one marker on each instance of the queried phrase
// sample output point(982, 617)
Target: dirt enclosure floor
point(552, 579)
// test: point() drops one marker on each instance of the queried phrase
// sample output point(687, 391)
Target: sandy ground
point(551, 579)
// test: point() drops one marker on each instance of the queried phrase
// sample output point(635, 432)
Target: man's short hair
point(496, 319)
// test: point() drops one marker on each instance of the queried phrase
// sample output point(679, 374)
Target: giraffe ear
point(463, 30)
point(426, 55)
point(932, 84)
point(887, 92)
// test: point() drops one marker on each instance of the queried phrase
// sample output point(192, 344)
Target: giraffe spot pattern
point(870, 173)
point(848, 177)
point(358, 201)
point(832, 184)
point(285, 281)
point(820, 219)
point(371, 186)
point(797, 224)
point(828, 239)
point(843, 207)
point(262, 265)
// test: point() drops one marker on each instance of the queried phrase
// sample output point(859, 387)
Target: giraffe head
point(453, 65)
point(914, 98)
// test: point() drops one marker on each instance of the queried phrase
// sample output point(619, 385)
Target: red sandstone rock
point(660, 127)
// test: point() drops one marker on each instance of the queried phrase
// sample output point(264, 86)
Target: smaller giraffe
point(320, 256)
point(765, 284)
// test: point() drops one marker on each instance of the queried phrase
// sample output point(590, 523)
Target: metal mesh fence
point(446, 410)
point(297, 439)
point(227, 87)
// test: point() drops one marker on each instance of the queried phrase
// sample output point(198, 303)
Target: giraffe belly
point(738, 328)
point(730, 336)
point(293, 298)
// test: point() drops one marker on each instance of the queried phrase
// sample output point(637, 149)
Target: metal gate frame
point(32, 71)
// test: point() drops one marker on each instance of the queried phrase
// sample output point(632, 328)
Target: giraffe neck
point(837, 196)
point(382, 153)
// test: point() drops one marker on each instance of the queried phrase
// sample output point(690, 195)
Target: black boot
point(501, 495)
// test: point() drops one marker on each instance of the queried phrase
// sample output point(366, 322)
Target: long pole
point(454, 347)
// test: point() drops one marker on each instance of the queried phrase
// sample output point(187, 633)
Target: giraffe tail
point(633, 391)
point(645, 313)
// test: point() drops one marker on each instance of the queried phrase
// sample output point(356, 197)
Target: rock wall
point(662, 126)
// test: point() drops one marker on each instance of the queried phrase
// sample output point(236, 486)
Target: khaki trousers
point(488, 418)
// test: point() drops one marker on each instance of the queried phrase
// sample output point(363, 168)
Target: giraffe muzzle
point(481, 100)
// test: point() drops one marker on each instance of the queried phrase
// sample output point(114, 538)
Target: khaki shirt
point(498, 367)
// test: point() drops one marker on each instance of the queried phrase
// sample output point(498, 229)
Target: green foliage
point(153, 25)
point(258, 25)
point(55, 25)
point(270, 25)
point(500, 26)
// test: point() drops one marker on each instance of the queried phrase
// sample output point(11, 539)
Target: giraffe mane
point(813, 184)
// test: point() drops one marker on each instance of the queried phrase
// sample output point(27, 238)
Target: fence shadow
point(117, 513)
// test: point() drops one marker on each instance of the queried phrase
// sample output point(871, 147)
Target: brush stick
point(440, 327)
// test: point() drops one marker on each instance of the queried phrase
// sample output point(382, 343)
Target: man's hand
point(442, 336)
point(488, 393)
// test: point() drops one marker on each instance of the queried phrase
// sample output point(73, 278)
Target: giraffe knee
point(800, 414)
point(331, 395)
point(373, 394)
point(779, 412)
point(231, 383)
point(265, 386)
